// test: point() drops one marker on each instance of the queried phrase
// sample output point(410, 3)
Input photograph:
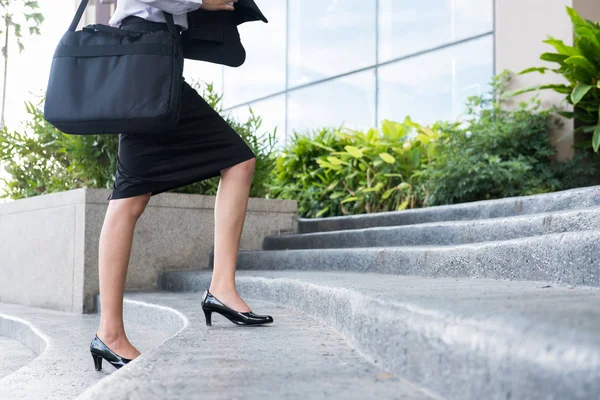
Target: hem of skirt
point(132, 192)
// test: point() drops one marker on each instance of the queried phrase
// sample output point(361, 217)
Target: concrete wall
point(521, 27)
point(49, 244)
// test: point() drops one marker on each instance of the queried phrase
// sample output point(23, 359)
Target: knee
point(131, 207)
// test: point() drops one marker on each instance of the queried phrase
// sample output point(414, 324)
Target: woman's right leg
point(115, 244)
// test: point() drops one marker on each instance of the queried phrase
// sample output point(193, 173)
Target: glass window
point(408, 26)
point(263, 72)
point(328, 38)
point(272, 112)
point(349, 100)
point(435, 86)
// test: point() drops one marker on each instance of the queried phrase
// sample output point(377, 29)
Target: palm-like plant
point(15, 14)
point(580, 65)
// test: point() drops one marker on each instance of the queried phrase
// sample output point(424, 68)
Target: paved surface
point(463, 338)
point(297, 357)
point(14, 356)
point(65, 368)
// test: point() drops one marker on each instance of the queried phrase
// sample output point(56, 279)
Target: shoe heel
point(208, 315)
point(97, 362)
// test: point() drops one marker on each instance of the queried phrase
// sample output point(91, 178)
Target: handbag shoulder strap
point(84, 3)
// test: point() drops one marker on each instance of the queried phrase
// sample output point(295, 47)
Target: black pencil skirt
point(200, 147)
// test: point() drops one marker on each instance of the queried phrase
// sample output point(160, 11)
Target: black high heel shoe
point(101, 351)
point(211, 304)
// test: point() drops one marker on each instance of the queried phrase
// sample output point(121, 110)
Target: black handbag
point(106, 80)
point(213, 36)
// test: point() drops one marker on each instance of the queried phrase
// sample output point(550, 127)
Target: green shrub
point(44, 160)
point(297, 176)
point(580, 65)
point(495, 153)
point(339, 172)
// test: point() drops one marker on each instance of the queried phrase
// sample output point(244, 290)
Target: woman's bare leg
point(115, 244)
point(230, 213)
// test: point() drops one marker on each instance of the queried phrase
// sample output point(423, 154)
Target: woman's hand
point(218, 5)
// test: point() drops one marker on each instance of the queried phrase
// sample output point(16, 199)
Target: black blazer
point(213, 36)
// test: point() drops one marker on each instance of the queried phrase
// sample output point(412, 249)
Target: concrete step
point(443, 233)
point(62, 366)
point(14, 355)
point(568, 258)
point(565, 200)
point(296, 357)
point(460, 338)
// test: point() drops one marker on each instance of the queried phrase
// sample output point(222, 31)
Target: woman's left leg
point(230, 213)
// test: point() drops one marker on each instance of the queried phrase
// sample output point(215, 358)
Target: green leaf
point(541, 70)
point(354, 151)
point(596, 139)
point(388, 158)
point(583, 63)
point(561, 47)
point(314, 142)
point(349, 199)
point(559, 88)
point(403, 186)
point(321, 212)
point(334, 160)
point(579, 92)
point(403, 205)
point(553, 57)
point(585, 32)
point(576, 18)
point(387, 193)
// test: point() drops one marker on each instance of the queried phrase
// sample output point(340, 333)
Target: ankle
point(222, 290)
point(110, 335)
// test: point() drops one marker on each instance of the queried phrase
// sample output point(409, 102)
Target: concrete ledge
point(443, 233)
point(24, 332)
point(565, 200)
point(567, 258)
point(467, 339)
point(50, 242)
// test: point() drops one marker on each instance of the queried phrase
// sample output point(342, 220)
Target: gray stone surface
point(49, 243)
point(41, 242)
point(14, 355)
point(463, 338)
point(64, 367)
point(443, 233)
point(566, 200)
point(296, 357)
point(569, 258)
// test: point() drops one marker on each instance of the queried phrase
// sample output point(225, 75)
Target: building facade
point(356, 62)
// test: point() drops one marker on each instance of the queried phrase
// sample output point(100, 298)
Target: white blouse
point(151, 10)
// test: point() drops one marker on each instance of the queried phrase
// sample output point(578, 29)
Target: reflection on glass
point(198, 71)
point(328, 38)
point(272, 112)
point(349, 100)
point(263, 73)
point(435, 86)
point(408, 26)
